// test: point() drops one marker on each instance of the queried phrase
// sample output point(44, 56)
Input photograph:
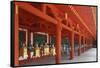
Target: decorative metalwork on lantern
point(25, 55)
point(46, 49)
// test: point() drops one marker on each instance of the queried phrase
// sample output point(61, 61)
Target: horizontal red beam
point(82, 21)
point(28, 7)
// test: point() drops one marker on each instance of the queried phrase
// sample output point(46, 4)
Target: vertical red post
point(79, 45)
point(58, 44)
point(16, 36)
point(72, 45)
point(83, 44)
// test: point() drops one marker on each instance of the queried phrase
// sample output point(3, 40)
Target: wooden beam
point(28, 7)
point(69, 20)
point(53, 9)
point(93, 9)
point(82, 21)
point(40, 14)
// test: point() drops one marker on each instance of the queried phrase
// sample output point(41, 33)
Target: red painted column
point(83, 44)
point(58, 44)
point(72, 45)
point(16, 37)
point(86, 45)
point(79, 45)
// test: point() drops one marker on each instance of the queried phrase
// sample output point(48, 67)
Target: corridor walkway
point(89, 55)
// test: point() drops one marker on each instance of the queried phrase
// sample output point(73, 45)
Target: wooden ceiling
point(87, 13)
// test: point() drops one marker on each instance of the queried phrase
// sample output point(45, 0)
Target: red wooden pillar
point(79, 45)
point(83, 44)
point(72, 45)
point(58, 44)
point(87, 43)
point(16, 36)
